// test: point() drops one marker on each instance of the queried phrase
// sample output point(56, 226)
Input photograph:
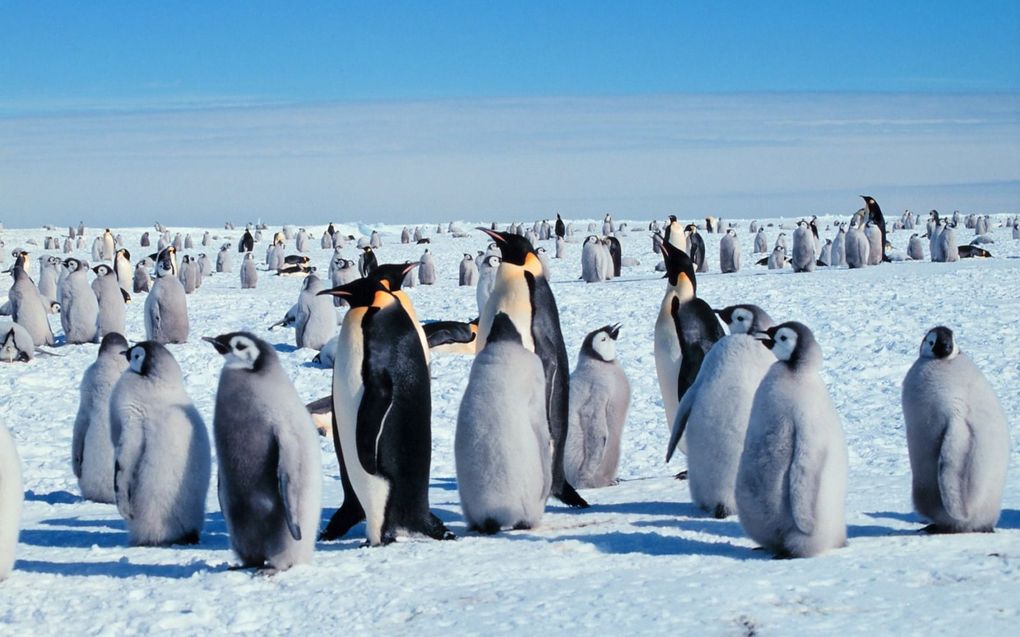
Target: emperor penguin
point(761, 242)
point(825, 258)
point(16, 344)
point(714, 413)
point(957, 437)
point(876, 217)
point(145, 242)
point(382, 410)
point(839, 247)
point(49, 267)
point(426, 269)
point(857, 248)
point(223, 260)
point(875, 248)
point(486, 280)
point(615, 254)
point(141, 282)
point(110, 298)
point(674, 233)
point(166, 307)
point(468, 271)
point(343, 271)
point(316, 315)
point(792, 477)
point(695, 247)
point(393, 277)
point(267, 452)
point(122, 269)
point(561, 229)
point(947, 245)
point(681, 287)
point(522, 292)
point(12, 497)
point(729, 252)
point(599, 400)
point(592, 270)
point(247, 242)
point(367, 261)
point(109, 246)
point(561, 248)
point(405, 235)
point(915, 248)
point(79, 308)
point(745, 319)
point(161, 450)
point(249, 275)
point(803, 249)
point(97, 249)
point(935, 247)
point(777, 260)
point(91, 443)
point(502, 448)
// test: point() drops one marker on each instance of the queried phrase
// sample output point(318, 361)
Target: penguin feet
point(934, 529)
point(435, 529)
point(570, 497)
point(720, 512)
point(522, 526)
point(189, 538)
point(488, 526)
point(342, 522)
point(682, 475)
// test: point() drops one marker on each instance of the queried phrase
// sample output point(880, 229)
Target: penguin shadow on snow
point(85, 533)
point(285, 348)
point(1009, 519)
point(121, 569)
point(53, 497)
point(649, 543)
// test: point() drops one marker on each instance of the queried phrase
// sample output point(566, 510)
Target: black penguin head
point(745, 318)
point(503, 330)
point(72, 264)
point(672, 219)
point(102, 269)
point(679, 266)
point(166, 261)
point(113, 344)
point(513, 247)
point(358, 293)
point(150, 358)
point(939, 342)
point(872, 206)
point(391, 275)
point(793, 343)
point(242, 350)
point(690, 229)
point(600, 344)
point(468, 256)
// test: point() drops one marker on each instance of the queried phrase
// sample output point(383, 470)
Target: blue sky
point(392, 110)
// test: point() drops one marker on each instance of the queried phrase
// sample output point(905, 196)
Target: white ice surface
point(641, 560)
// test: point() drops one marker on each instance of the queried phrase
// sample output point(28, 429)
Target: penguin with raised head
point(12, 497)
point(957, 437)
point(162, 454)
point(681, 287)
point(792, 479)
point(599, 400)
point(249, 275)
point(79, 308)
point(502, 447)
point(674, 233)
point(267, 452)
point(166, 306)
point(522, 292)
point(803, 249)
point(729, 252)
point(92, 453)
point(393, 277)
point(382, 416)
point(714, 412)
point(316, 318)
point(110, 298)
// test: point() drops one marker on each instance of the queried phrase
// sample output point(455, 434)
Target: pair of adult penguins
point(382, 401)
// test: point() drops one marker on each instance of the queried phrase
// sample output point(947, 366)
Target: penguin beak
point(614, 331)
point(765, 338)
point(492, 233)
point(334, 292)
point(221, 346)
point(411, 266)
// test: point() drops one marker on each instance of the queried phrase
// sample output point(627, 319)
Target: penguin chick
point(92, 454)
point(745, 319)
point(16, 344)
point(315, 317)
point(791, 481)
point(162, 456)
point(12, 497)
point(957, 437)
point(269, 465)
point(599, 400)
point(503, 452)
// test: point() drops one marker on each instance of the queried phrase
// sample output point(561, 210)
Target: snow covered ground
point(641, 560)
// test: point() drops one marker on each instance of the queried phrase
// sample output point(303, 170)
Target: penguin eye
point(241, 347)
point(782, 338)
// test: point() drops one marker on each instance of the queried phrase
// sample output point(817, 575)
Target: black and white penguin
point(561, 229)
point(16, 344)
point(522, 292)
point(367, 261)
point(247, 242)
point(382, 410)
point(123, 270)
point(876, 217)
point(695, 247)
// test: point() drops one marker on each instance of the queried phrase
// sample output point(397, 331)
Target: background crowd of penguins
point(742, 393)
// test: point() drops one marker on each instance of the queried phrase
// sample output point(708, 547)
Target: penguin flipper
point(372, 413)
point(683, 413)
point(954, 468)
point(804, 484)
point(289, 464)
point(448, 332)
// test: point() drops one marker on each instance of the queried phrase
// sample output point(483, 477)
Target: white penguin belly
point(667, 361)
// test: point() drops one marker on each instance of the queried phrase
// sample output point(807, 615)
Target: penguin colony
point(742, 395)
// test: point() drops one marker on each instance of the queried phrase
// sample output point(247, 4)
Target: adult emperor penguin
point(729, 252)
point(110, 298)
point(803, 249)
point(123, 270)
point(392, 277)
point(599, 400)
point(615, 254)
point(162, 456)
point(876, 217)
point(695, 246)
point(316, 317)
point(79, 308)
point(28, 308)
point(91, 443)
point(502, 447)
point(561, 229)
point(674, 233)
point(267, 451)
point(791, 482)
point(522, 292)
point(681, 288)
point(957, 437)
point(382, 410)
point(166, 307)
point(247, 242)
point(12, 496)
point(367, 261)
point(249, 275)
point(714, 413)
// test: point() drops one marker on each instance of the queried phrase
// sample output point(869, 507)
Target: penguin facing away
point(792, 477)
point(166, 306)
point(503, 453)
point(269, 466)
point(382, 414)
point(110, 297)
point(599, 400)
point(957, 437)
point(12, 497)
point(162, 455)
point(92, 453)
point(522, 292)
